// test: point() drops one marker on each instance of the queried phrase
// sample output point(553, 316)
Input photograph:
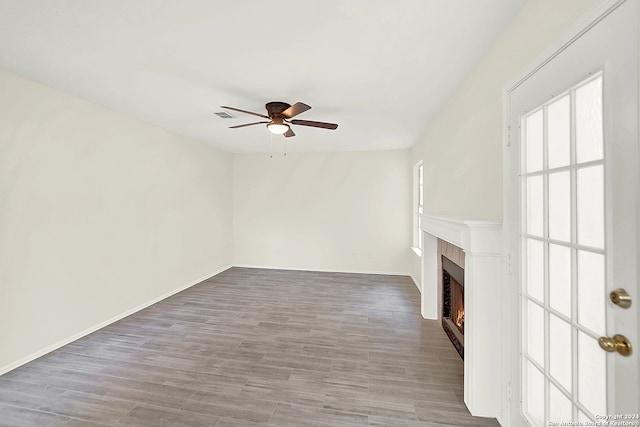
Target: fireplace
point(475, 246)
point(453, 303)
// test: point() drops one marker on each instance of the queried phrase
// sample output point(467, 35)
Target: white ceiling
point(379, 68)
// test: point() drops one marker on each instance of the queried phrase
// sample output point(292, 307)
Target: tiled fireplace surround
point(475, 246)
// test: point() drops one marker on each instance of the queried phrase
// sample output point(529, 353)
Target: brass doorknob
point(620, 297)
point(618, 343)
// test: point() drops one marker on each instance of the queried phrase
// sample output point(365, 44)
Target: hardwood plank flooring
point(254, 347)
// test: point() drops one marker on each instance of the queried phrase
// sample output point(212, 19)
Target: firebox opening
point(453, 303)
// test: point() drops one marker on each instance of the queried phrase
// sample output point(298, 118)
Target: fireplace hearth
point(453, 303)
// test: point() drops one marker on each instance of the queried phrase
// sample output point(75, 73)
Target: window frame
point(418, 205)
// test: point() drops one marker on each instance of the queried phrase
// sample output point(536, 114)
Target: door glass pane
point(591, 291)
point(591, 206)
point(535, 394)
point(560, 278)
point(560, 206)
point(535, 269)
point(589, 134)
point(559, 132)
point(592, 375)
point(534, 205)
point(534, 129)
point(560, 351)
point(559, 405)
point(535, 332)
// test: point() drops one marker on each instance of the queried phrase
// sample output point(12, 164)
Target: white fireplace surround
point(481, 242)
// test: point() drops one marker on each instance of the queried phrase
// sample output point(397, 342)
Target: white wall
point(347, 211)
point(99, 213)
point(416, 270)
point(461, 147)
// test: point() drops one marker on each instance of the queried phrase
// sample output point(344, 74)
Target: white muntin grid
point(563, 372)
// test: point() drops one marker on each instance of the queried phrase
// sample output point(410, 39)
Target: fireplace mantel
point(481, 242)
point(471, 236)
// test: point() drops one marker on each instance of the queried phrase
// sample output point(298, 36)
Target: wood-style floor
point(253, 347)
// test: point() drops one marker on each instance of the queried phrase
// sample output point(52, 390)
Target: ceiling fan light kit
point(280, 115)
point(277, 126)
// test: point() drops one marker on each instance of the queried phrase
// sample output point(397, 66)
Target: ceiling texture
point(380, 69)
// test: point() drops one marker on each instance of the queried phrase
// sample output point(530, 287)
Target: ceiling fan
point(280, 115)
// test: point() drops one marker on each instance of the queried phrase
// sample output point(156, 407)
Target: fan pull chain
point(285, 147)
point(271, 151)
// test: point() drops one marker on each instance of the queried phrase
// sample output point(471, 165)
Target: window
point(418, 205)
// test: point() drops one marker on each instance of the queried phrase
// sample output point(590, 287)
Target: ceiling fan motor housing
point(275, 108)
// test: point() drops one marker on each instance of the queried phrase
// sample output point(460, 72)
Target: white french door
point(574, 228)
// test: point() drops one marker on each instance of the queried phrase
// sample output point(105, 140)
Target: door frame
point(511, 313)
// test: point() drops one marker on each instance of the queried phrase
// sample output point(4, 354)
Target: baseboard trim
point(268, 267)
point(63, 342)
point(415, 282)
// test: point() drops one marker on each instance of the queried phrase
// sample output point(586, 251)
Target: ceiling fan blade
point(323, 125)
point(244, 111)
point(295, 109)
point(246, 124)
point(289, 133)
